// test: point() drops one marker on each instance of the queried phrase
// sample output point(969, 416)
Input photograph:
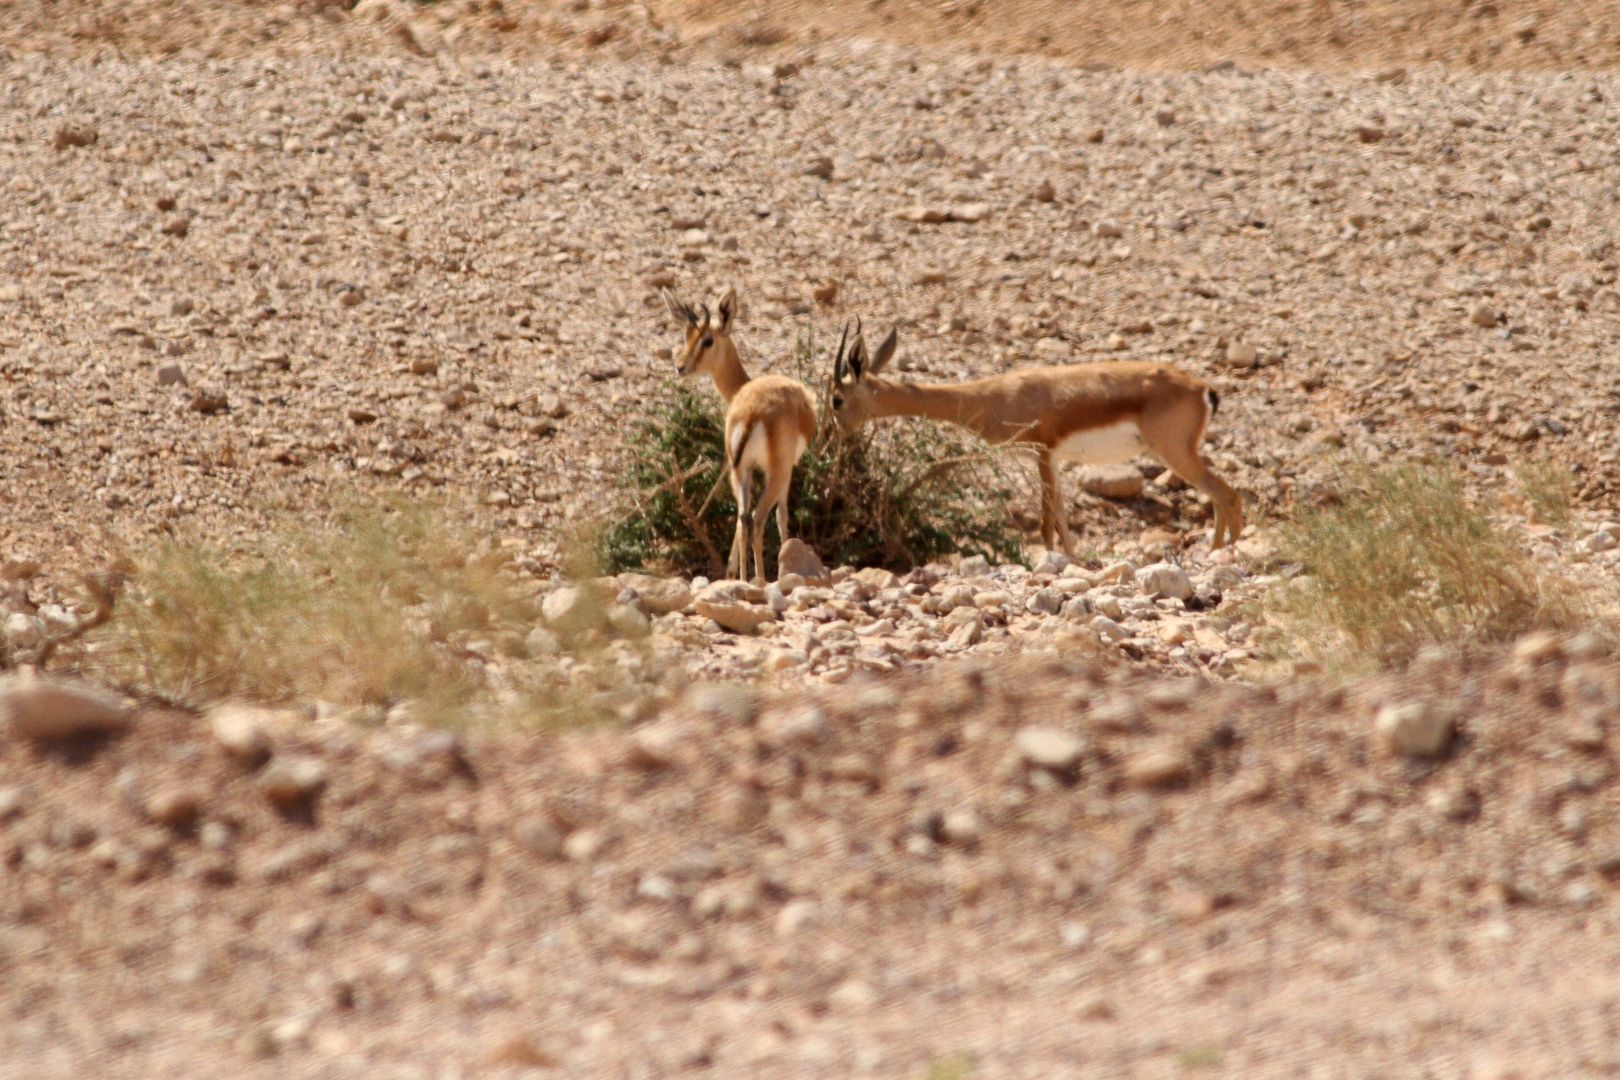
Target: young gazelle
point(769, 422)
point(1100, 413)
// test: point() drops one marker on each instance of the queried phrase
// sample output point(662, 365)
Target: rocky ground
point(1033, 867)
point(980, 820)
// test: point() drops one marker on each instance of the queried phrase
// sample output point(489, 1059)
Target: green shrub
point(898, 495)
point(1404, 560)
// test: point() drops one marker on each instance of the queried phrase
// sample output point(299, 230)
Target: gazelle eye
point(707, 343)
point(838, 401)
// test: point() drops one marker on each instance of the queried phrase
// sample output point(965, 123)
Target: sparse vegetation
point(955, 1067)
point(896, 496)
point(1199, 1057)
point(1404, 560)
point(1548, 489)
point(372, 607)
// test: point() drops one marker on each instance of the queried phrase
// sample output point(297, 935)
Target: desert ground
point(260, 263)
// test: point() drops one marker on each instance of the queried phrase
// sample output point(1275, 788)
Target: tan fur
point(781, 406)
point(1046, 405)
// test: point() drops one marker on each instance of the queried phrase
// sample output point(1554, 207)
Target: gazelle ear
point(677, 310)
point(885, 351)
point(856, 359)
point(726, 306)
point(838, 357)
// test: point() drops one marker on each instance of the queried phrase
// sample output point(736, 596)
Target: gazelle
point(1100, 414)
point(769, 423)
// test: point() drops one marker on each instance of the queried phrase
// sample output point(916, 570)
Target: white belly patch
point(754, 450)
point(1106, 445)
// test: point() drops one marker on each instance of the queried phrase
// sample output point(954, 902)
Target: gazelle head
point(850, 394)
point(708, 335)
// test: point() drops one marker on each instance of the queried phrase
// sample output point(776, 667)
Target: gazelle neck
point(727, 370)
point(936, 401)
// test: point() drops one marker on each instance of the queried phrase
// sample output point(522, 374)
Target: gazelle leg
point(1043, 462)
point(735, 567)
point(1054, 508)
point(775, 494)
point(1187, 464)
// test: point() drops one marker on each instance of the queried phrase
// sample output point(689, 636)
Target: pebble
point(47, 709)
point(1044, 602)
point(796, 916)
point(628, 622)
point(962, 828)
point(1053, 562)
point(23, 630)
point(1538, 647)
point(1415, 729)
point(1242, 354)
point(74, 135)
point(729, 704)
point(584, 845)
point(974, 566)
point(573, 610)
point(241, 730)
point(656, 596)
point(176, 807)
point(654, 747)
point(795, 725)
point(540, 837)
point(745, 806)
point(292, 782)
point(1602, 540)
point(735, 618)
point(1157, 768)
point(1049, 748)
point(1109, 630)
point(1112, 481)
point(1165, 579)
point(208, 402)
point(966, 635)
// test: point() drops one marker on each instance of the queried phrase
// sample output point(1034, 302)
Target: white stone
point(1414, 729)
point(1044, 602)
point(292, 781)
point(1602, 540)
point(735, 617)
point(796, 915)
point(1109, 630)
point(799, 559)
point(241, 730)
point(573, 610)
point(1049, 748)
point(656, 595)
point(962, 828)
point(1053, 562)
point(23, 630)
point(795, 725)
point(1111, 481)
point(1164, 579)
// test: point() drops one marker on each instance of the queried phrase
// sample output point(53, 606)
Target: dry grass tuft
point(1404, 561)
point(1547, 487)
point(372, 607)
